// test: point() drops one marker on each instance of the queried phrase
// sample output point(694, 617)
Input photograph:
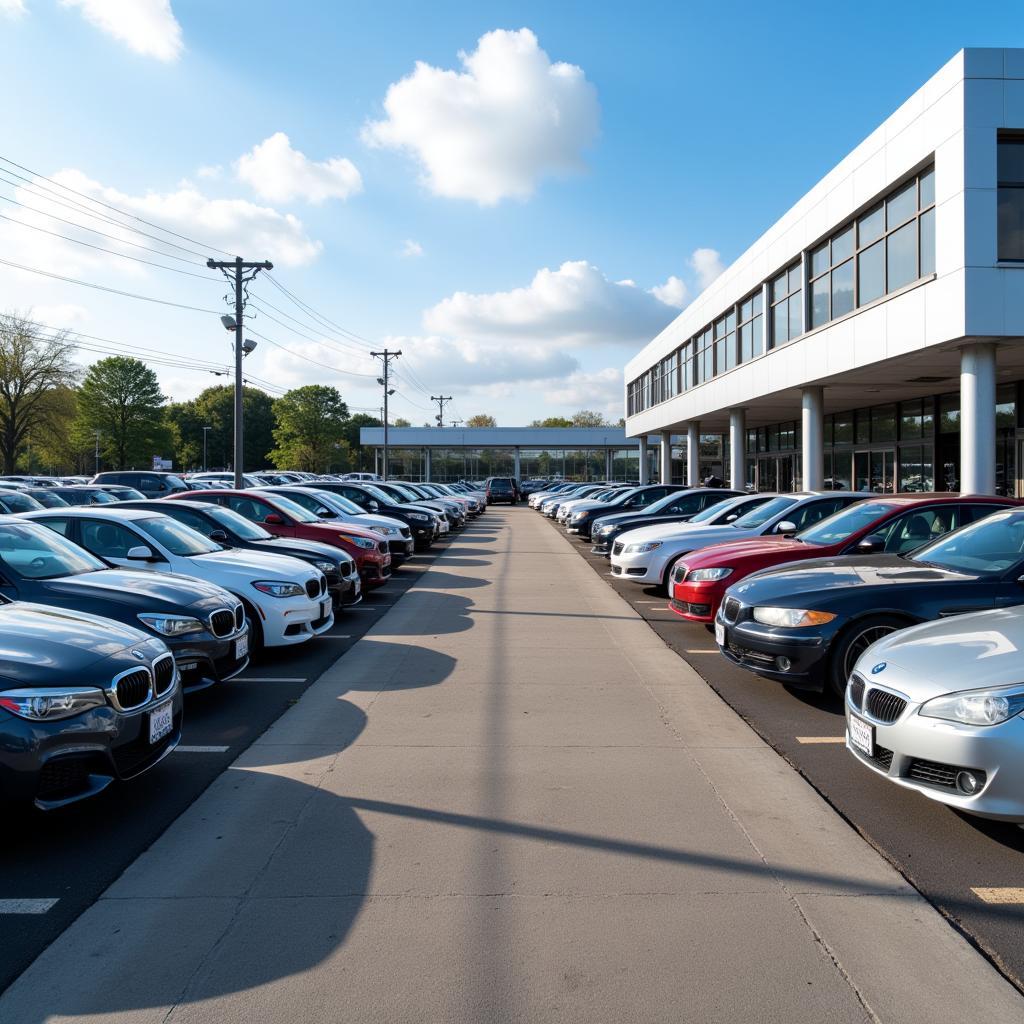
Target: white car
point(285, 599)
point(937, 708)
point(648, 555)
point(221, 479)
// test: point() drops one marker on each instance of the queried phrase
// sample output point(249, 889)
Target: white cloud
point(490, 131)
point(61, 315)
point(277, 172)
point(673, 292)
point(471, 363)
point(12, 8)
point(573, 305)
point(210, 171)
point(707, 265)
point(411, 248)
point(600, 390)
point(234, 225)
point(147, 27)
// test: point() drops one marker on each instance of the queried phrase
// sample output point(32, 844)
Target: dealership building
point(873, 337)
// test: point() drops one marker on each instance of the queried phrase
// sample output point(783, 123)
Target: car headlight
point(172, 625)
point(708, 575)
point(326, 567)
point(975, 707)
point(577, 516)
point(791, 617)
point(639, 549)
point(360, 542)
point(46, 705)
point(388, 531)
point(418, 517)
point(278, 588)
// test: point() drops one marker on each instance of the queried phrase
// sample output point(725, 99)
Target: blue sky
point(678, 129)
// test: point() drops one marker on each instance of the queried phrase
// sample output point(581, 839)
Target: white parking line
point(336, 636)
point(26, 906)
point(821, 739)
point(270, 679)
point(703, 650)
point(180, 749)
point(999, 895)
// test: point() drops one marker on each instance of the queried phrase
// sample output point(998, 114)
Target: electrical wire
point(309, 359)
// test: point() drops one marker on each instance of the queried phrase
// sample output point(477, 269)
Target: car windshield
point(721, 508)
point(37, 553)
point(987, 548)
point(294, 509)
point(15, 502)
point(618, 499)
point(313, 501)
point(175, 481)
point(760, 515)
point(176, 537)
point(657, 506)
point(99, 498)
point(49, 500)
point(237, 524)
point(125, 493)
point(342, 503)
point(379, 495)
point(845, 523)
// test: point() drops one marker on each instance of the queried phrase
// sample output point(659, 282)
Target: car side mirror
point(870, 544)
point(785, 527)
point(373, 506)
point(731, 518)
point(274, 520)
point(219, 537)
point(326, 513)
point(140, 553)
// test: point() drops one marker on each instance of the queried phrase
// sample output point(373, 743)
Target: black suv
point(502, 488)
point(152, 485)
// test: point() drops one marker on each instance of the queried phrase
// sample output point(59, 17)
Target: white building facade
point(874, 336)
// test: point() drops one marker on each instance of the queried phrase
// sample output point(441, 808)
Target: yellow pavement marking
point(999, 894)
point(821, 739)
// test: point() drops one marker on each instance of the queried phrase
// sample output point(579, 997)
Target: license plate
point(358, 586)
point(325, 609)
point(387, 559)
point(862, 735)
point(719, 634)
point(161, 722)
point(241, 647)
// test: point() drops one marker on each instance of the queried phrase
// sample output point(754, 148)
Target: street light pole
point(205, 431)
point(385, 357)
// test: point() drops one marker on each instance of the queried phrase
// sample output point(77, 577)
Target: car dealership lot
point(969, 868)
point(59, 862)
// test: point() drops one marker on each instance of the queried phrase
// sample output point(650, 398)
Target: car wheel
point(255, 628)
point(854, 642)
point(666, 578)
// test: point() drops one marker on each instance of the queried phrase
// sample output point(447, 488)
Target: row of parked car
point(113, 609)
point(908, 607)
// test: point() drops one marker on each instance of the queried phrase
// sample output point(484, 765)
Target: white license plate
point(241, 647)
point(387, 560)
point(161, 722)
point(862, 735)
point(325, 609)
point(358, 586)
point(719, 634)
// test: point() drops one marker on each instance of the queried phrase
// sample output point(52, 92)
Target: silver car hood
point(963, 652)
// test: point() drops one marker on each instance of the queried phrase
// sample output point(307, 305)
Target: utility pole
point(206, 430)
point(385, 357)
point(440, 399)
point(240, 273)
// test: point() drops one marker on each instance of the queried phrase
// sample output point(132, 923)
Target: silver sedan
point(937, 708)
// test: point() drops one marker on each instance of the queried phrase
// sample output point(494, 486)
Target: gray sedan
point(937, 708)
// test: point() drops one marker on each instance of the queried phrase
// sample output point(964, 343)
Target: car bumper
point(759, 648)
point(638, 568)
point(927, 755)
point(697, 602)
point(216, 661)
point(401, 549)
point(53, 764)
point(295, 620)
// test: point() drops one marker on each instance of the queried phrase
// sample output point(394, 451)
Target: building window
point(786, 296)
point(725, 342)
point(704, 364)
point(1011, 197)
point(751, 328)
point(669, 377)
point(686, 366)
point(832, 278)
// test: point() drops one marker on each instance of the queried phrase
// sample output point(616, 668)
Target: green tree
point(215, 408)
point(32, 367)
point(481, 419)
point(402, 422)
point(120, 397)
point(310, 431)
point(552, 421)
point(588, 418)
point(359, 457)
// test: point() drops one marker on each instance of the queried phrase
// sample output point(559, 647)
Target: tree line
point(56, 417)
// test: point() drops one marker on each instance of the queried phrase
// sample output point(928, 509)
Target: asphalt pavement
point(54, 865)
point(944, 854)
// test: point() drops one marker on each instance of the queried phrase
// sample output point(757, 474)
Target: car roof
point(83, 511)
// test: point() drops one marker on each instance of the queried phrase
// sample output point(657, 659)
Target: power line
point(313, 313)
point(259, 301)
point(308, 359)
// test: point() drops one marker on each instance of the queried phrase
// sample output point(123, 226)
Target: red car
point(892, 524)
point(284, 518)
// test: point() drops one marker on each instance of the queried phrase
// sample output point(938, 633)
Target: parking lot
point(62, 861)
point(945, 855)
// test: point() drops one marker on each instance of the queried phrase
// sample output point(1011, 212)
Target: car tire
point(255, 627)
point(667, 576)
point(853, 642)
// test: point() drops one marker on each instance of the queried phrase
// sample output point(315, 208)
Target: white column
point(609, 466)
point(426, 465)
point(642, 444)
point(517, 463)
point(737, 449)
point(978, 419)
point(665, 457)
point(813, 428)
point(693, 453)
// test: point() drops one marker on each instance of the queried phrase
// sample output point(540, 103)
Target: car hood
point(964, 652)
point(699, 533)
point(316, 548)
point(778, 549)
point(586, 504)
point(257, 564)
point(820, 577)
point(642, 521)
point(44, 646)
point(138, 589)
